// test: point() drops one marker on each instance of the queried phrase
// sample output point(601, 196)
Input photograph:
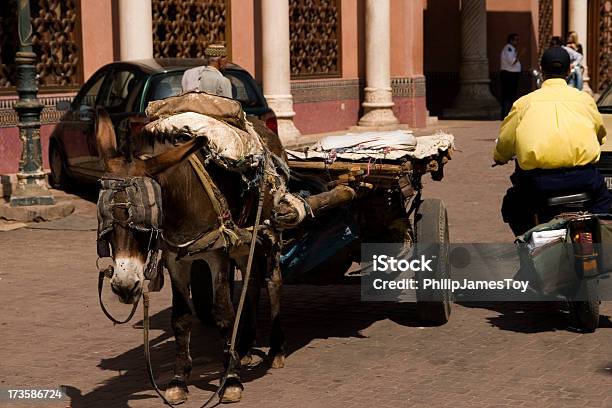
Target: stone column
point(378, 102)
point(135, 29)
point(474, 100)
point(276, 66)
point(578, 21)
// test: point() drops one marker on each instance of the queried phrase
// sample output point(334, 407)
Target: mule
point(189, 213)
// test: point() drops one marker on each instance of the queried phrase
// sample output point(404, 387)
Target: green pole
point(31, 188)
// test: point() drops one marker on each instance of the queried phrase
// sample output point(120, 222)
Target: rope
point(147, 352)
point(101, 276)
point(232, 351)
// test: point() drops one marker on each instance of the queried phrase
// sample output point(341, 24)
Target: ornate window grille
point(315, 38)
point(600, 45)
point(545, 24)
point(56, 40)
point(183, 28)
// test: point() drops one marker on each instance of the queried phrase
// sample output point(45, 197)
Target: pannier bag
point(546, 257)
point(605, 250)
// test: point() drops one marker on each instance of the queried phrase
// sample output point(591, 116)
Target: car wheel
point(59, 177)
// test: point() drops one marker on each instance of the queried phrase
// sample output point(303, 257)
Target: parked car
point(124, 89)
point(604, 104)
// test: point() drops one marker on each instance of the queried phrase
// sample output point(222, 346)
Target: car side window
point(123, 84)
point(242, 90)
point(165, 86)
point(87, 99)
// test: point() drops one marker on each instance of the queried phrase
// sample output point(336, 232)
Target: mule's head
point(130, 208)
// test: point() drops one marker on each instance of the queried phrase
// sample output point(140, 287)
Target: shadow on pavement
point(309, 313)
point(531, 317)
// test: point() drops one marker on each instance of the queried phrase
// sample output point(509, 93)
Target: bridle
point(142, 199)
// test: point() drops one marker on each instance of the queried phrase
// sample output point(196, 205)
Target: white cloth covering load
point(384, 145)
point(224, 140)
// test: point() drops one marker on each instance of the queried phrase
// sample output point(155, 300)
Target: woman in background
point(572, 42)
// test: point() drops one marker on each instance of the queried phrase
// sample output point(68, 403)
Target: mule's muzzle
point(128, 294)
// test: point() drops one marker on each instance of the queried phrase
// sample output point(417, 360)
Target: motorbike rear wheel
point(585, 313)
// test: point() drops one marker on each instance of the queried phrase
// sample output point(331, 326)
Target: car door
point(122, 100)
point(79, 124)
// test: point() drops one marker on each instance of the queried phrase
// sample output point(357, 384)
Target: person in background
point(573, 43)
point(209, 78)
point(510, 73)
point(575, 76)
point(555, 134)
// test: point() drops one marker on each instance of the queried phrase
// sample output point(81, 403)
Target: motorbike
point(585, 239)
point(584, 234)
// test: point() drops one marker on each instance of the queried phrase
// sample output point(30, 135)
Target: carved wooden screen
point(183, 28)
point(56, 40)
point(315, 38)
point(545, 23)
point(599, 51)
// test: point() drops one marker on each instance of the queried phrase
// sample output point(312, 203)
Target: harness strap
point(218, 202)
point(101, 276)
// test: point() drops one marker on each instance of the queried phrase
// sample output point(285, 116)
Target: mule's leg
point(248, 320)
point(274, 283)
point(223, 314)
point(180, 272)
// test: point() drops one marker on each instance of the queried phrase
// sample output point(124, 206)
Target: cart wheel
point(432, 241)
point(585, 313)
point(202, 292)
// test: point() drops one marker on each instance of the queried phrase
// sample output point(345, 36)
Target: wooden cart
point(388, 208)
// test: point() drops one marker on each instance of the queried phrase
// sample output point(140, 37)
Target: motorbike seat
point(569, 200)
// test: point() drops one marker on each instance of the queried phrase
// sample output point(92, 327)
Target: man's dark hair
point(511, 37)
point(556, 41)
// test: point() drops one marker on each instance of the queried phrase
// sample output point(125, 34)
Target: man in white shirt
point(510, 73)
point(209, 78)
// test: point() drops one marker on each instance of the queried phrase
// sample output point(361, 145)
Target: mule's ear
point(105, 137)
point(172, 157)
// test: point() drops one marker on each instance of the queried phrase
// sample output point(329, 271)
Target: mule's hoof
point(176, 395)
point(231, 393)
point(278, 361)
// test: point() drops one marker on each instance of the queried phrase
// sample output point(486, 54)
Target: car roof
point(161, 65)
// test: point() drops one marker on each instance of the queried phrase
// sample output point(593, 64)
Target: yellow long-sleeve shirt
point(556, 126)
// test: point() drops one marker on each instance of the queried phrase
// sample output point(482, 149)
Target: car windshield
point(606, 100)
point(243, 90)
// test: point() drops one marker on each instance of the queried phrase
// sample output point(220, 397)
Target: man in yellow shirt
point(555, 134)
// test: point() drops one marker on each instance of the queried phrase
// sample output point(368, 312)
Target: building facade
point(324, 65)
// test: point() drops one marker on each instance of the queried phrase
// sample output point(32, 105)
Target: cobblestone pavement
point(342, 352)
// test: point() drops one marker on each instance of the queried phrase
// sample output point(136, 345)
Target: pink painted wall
point(10, 148)
point(97, 33)
point(326, 116)
point(406, 38)
point(352, 49)
point(558, 18)
point(412, 111)
point(243, 34)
